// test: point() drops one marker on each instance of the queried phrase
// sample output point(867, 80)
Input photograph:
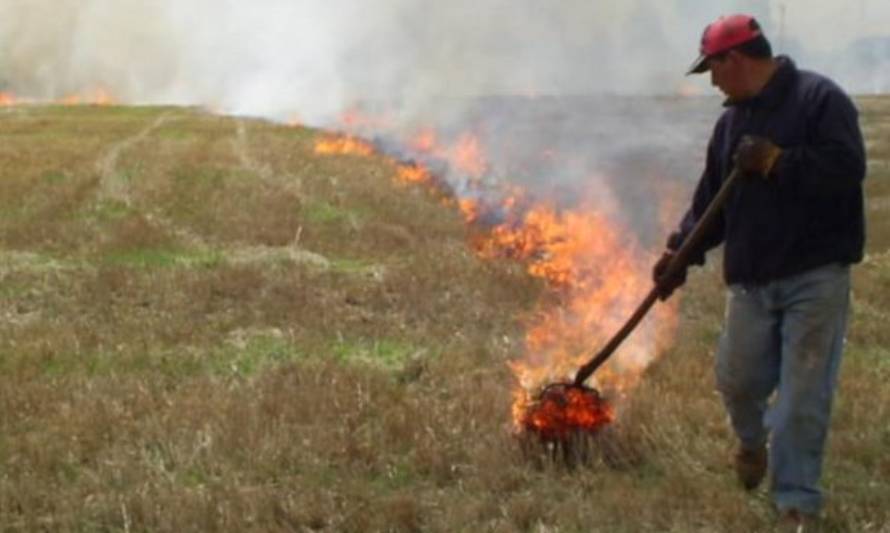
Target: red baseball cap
point(722, 35)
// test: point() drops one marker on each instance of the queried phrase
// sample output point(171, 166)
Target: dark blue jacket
point(811, 213)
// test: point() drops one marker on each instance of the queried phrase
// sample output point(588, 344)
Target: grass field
point(205, 327)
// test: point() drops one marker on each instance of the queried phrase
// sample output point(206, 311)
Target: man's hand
point(667, 285)
point(756, 155)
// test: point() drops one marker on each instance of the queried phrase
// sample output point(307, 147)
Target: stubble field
point(206, 327)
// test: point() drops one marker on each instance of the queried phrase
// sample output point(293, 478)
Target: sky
point(316, 57)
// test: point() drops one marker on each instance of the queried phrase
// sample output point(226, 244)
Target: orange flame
point(343, 145)
point(99, 96)
point(71, 99)
point(563, 410)
point(467, 156)
point(412, 173)
point(596, 275)
point(598, 278)
point(470, 209)
point(425, 141)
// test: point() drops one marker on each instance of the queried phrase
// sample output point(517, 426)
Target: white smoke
point(422, 59)
point(315, 57)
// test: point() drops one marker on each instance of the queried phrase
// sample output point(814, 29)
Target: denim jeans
point(785, 337)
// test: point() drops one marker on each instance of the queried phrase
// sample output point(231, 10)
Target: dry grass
point(206, 328)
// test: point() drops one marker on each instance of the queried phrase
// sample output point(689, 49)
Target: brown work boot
point(750, 466)
point(794, 521)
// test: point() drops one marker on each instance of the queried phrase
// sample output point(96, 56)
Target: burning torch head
point(566, 409)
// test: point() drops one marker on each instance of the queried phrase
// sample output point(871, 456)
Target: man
point(790, 230)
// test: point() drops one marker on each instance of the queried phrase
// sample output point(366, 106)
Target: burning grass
point(251, 337)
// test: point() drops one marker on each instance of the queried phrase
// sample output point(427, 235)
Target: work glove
point(756, 155)
point(664, 285)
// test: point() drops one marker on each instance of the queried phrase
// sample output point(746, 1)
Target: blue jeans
point(786, 337)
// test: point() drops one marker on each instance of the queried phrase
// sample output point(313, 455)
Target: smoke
point(452, 65)
point(318, 57)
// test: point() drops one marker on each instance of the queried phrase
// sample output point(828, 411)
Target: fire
point(469, 208)
point(343, 145)
point(99, 96)
point(71, 99)
point(467, 156)
point(595, 273)
point(564, 410)
point(426, 141)
point(102, 97)
point(598, 279)
point(412, 173)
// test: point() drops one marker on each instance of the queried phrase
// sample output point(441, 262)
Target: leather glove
point(756, 155)
point(667, 285)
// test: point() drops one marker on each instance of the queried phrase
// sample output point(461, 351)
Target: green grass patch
point(200, 177)
point(243, 358)
point(53, 177)
point(872, 358)
point(65, 364)
point(108, 211)
point(127, 175)
point(253, 354)
point(175, 134)
point(108, 112)
point(68, 364)
point(391, 354)
point(148, 258)
point(351, 266)
point(321, 212)
point(296, 132)
point(33, 262)
point(11, 291)
point(397, 475)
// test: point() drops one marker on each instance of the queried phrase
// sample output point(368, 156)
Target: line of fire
point(594, 272)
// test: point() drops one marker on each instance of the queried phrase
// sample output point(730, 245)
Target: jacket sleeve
point(832, 158)
point(705, 191)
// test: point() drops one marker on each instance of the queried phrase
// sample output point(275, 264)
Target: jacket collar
point(775, 89)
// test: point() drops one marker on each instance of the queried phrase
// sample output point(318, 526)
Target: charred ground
point(207, 327)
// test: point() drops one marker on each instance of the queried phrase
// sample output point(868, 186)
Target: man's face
point(727, 75)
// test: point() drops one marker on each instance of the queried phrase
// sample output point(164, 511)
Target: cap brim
point(699, 65)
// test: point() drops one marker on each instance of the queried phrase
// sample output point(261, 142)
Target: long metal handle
point(679, 261)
